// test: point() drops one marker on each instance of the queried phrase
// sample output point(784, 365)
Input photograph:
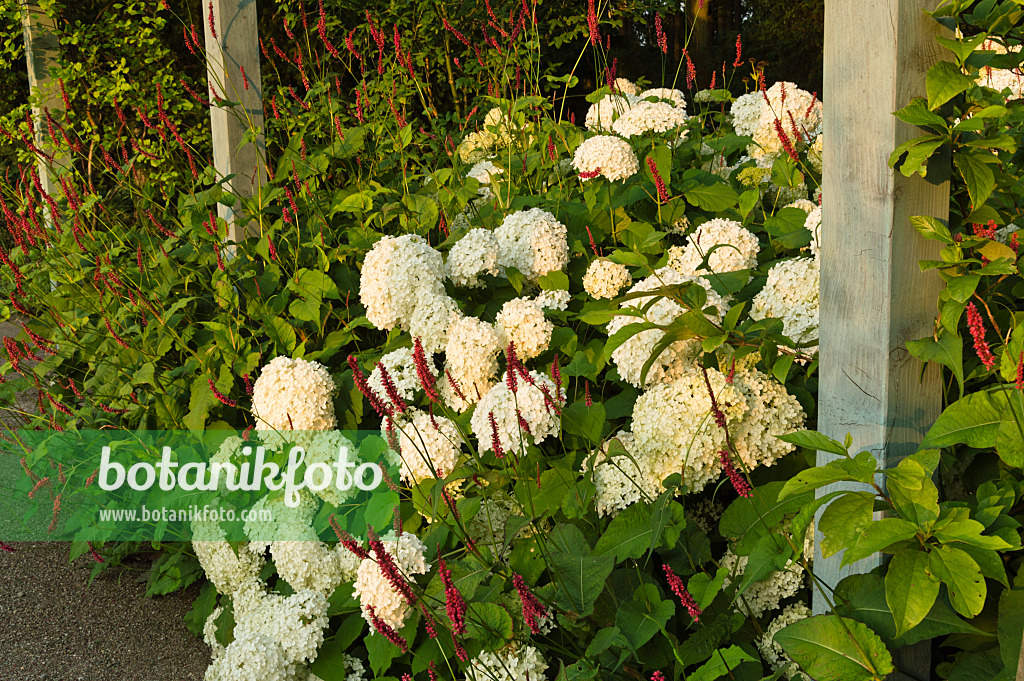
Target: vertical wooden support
point(235, 48)
point(41, 52)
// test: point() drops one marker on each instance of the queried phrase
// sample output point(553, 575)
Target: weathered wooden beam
point(874, 297)
point(42, 49)
point(232, 45)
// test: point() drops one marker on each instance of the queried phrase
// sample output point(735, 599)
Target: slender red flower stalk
point(56, 513)
point(346, 540)
point(595, 33)
point(388, 568)
point(586, 393)
point(213, 30)
point(120, 341)
point(461, 38)
point(533, 609)
point(220, 396)
point(1020, 372)
point(787, 144)
point(593, 246)
point(739, 53)
point(677, 586)
point(495, 439)
point(384, 628)
point(453, 601)
point(691, 72)
point(977, 328)
point(38, 486)
point(739, 483)
point(58, 406)
point(110, 410)
point(423, 373)
point(551, 149)
point(360, 380)
point(454, 385)
point(510, 374)
point(810, 107)
point(391, 389)
point(660, 32)
point(659, 183)
point(95, 554)
point(589, 174)
point(719, 415)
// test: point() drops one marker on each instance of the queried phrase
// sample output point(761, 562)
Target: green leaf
point(844, 520)
point(944, 82)
point(910, 590)
point(813, 440)
point(878, 536)
point(962, 577)
point(962, 47)
point(723, 662)
point(205, 603)
point(913, 494)
point(832, 648)
point(917, 113)
point(769, 554)
point(969, 531)
point(604, 639)
point(947, 351)
point(977, 174)
point(1010, 626)
point(644, 616)
point(489, 623)
point(931, 228)
point(587, 422)
point(918, 151)
point(714, 198)
point(581, 576)
point(704, 588)
point(972, 420)
point(628, 535)
point(747, 518)
point(861, 468)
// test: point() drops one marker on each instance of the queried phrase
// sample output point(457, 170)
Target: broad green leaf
point(714, 198)
point(722, 663)
point(962, 577)
point(947, 351)
point(489, 623)
point(644, 616)
point(830, 648)
point(972, 420)
point(628, 535)
point(812, 439)
point(977, 174)
point(962, 47)
point(913, 493)
point(918, 152)
point(1010, 626)
point(704, 588)
point(909, 590)
point(860, 468)
point(844, 520)
point(969, 531)
point(931, 228)
point(580, 576)
point(604, 639)
point(943, 82)
point(769, 554)
point(917, 113)
point(747, 518)
point(204, 604)
point(878, 536)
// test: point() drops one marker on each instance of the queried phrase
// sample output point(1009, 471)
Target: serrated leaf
point(830, 648)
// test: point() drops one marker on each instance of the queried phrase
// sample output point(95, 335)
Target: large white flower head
point(553, 299)
point(772, 652)
point(622, 478)
point(625, 86)
point(791, 294)
point(737, 249)
point(673, 424)
point(374, 590)
point(293, 394)
point(397, 273)
point(746, 112)
point(539, 418)
point(297, 621)
point(521, 321)
point(601, 115)
point(475, 254)
point(484, 171)
point(471, 361)
point(312, 565)
point(768, 411)
point(426, 442)
point(431, 319)
point(674, 360)
point(645, 117)
point(401, 369)
point(533, 242)
point(611, 155)
point(508, 664)
point(224, 567)
point(813, 225)
point(764, 596)
point(500, 126)
point(604, 278)
point(790, 106)
point(475, 146)
point(675, 97)
point(251, 657)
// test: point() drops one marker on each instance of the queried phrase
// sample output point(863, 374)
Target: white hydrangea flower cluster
point(806, 112)
point(676, 97)
point(252, 657)
point(402, 369)
point(813, 225)
point(426, 441)
point(533, 242)
point(612, 155)
point(471, 360)
point(554, 299)
point(791, 294)
point(508, 664)
point(737, 249)
point(626, 86)
point(484, 171)
point(646, 116)
point(473, 255)
point(313, 565)
point(601, 115)
point(476, 146)
point(499, 126)
point(372, 587)
point(225, 568)
point(521, 321)
point(746, 113)
point(772, 652)
point(624, 479)
point(487, 528)
point(401, 284)
point(675, 429)
point(764, 596)
point(814, 156)
point(295, 523)
point(674, 360)
point(604, 278)
point(506, 406)
point(293, 394)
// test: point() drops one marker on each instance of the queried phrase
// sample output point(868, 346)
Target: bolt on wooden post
point(232, 49)
point(874, 297)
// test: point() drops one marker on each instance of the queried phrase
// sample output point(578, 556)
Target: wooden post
point(874, 297)
point(41, 51)
point(236, 47)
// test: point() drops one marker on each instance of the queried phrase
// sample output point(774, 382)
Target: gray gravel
point(56, 626)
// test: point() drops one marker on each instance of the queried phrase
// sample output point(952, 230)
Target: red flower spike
point(364, 387)
point(388, 568)
point(454, 385)
point(495, 439)
point(739, 53)
point(739, 483)
point(346, 540)
point(454, 604)
point(977, 328)
point(589, 175)
point(659, 183)
point(657, 676)
point(680, 591)
point(213, 30)
point(391, 389)
point(595, 33)
point(220, 396)
point(533, 610)
point(95, 554)
point(384, 628)
point(6, 547)
point(660, 33)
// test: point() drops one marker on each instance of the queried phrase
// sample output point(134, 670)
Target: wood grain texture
point(873, 296)
point(41, 52)
point(236, 47)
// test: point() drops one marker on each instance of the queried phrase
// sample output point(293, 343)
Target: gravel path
point(56, 626)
